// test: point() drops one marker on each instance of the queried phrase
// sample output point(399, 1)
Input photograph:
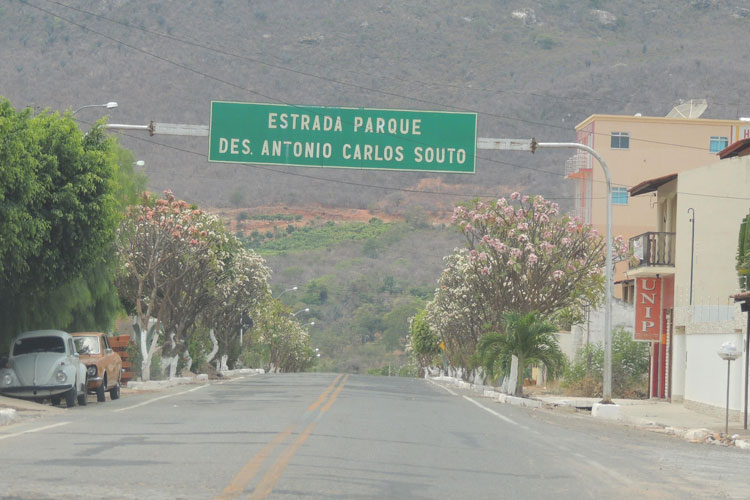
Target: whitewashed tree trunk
point(188, 361)
point(214, 343)
point(223, 363)
point(172, 360)
point(147, 349)
point(173, 365)
point(509, 384)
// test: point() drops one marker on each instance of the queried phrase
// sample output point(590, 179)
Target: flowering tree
point(528, 257)
point(423, 343)
point(457, 312)
point(522, 255)
point(285, 340)
point(172, 258)
point(238, 296)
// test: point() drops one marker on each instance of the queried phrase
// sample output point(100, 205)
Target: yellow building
point(636, 148)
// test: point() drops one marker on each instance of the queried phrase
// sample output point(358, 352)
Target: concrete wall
point(623, 316)
point(706, 373)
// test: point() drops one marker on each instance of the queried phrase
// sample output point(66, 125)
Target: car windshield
point(38, 344)
point(87, 345)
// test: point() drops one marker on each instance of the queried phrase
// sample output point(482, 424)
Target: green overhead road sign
point(314, 136)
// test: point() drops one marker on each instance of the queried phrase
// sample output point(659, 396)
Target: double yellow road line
point(274, 472)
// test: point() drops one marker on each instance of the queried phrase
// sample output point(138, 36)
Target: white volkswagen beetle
point(44, 364)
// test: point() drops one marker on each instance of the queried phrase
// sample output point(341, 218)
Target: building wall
point(719, 193)
point(658, 147)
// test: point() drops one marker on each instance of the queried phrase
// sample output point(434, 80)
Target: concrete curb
point(8, 416)
point(611, 412)
point(202, 378)
point(490, 392)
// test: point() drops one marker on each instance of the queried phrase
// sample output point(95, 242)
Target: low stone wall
point(714, 411)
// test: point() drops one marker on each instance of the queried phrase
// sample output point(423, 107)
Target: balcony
point(579, 162)
point(652, 250)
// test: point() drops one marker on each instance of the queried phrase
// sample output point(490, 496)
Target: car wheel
point(70, 397)
point(83, 398)
point(100, 390)
point(55, 401)
point(114, 393)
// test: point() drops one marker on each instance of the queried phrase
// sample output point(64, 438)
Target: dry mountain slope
point(531, 68)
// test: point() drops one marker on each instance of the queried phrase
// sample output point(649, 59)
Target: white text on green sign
point(360, 138)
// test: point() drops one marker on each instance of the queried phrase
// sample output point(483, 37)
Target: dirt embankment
point(266, 218)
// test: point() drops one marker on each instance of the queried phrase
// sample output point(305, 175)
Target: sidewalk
point(13, 410)
point(650, 414)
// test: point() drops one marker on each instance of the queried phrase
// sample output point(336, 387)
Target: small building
point(685, 278)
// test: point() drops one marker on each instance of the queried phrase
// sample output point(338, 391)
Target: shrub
point(629, 369)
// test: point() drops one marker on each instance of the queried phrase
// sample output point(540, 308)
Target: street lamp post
point(532, 145)
point(306, 309)
point(692, 251)
point(109, 105)
point(294, 288)
point(729, 353)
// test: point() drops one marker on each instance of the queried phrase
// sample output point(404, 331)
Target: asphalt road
point(334, 436)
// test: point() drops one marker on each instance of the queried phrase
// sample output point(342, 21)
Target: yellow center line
point(334, 396)
point(251, 468)
point(273, 475)
point(325, 394)
point(269, 480)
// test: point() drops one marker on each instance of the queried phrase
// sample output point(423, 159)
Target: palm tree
point(529, 338)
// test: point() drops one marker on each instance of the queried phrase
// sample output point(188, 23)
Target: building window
point(619, 196)
point(620, 140)
point(718, 144)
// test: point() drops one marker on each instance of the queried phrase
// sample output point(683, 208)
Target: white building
point(685, 270)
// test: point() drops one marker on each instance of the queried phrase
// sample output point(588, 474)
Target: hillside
point(365, 248)
point(533, 68)
point(361, 282)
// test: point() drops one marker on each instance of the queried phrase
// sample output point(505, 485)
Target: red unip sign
point(648, 309)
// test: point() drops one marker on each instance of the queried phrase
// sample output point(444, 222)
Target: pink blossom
point(565, 241)
point(523, 226)
point(515, 195)
point(525, 199)
point(532, 259)
point(558, 275)
point(485, 270)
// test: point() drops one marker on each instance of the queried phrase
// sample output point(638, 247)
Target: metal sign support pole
point(532, 145)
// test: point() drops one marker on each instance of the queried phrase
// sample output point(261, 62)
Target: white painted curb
point(607, 412)
point(8, 416)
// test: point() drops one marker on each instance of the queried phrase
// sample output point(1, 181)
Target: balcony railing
point(652, 249)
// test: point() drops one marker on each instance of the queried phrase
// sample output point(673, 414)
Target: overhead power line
point(303, 73)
